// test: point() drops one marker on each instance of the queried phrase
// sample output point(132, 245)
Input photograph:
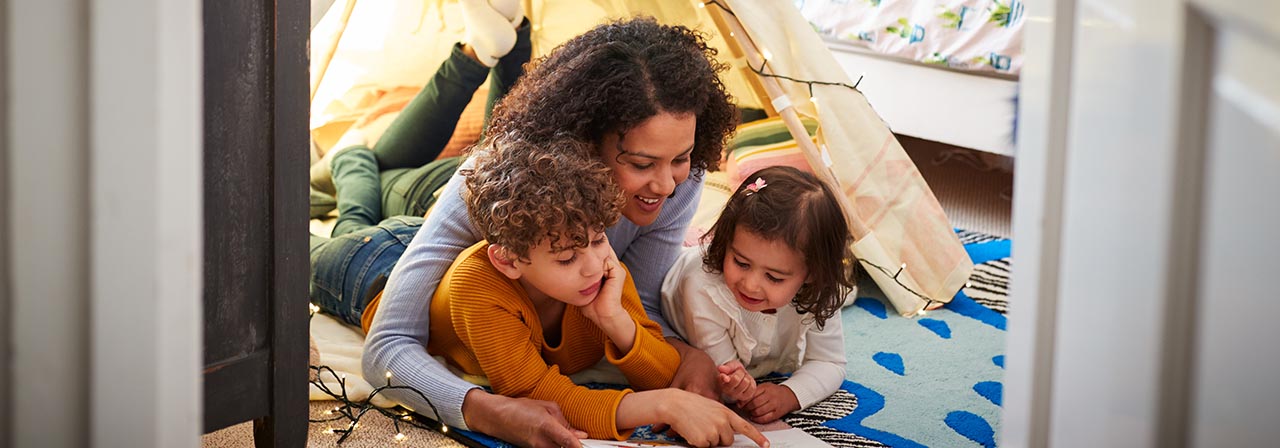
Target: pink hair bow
point(756, 186)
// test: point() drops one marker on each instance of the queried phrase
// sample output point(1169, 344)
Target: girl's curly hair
point(519, 194)
point(796, 208)
point(616, 76)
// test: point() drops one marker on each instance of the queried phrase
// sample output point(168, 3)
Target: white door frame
point(147, 164)
point(1039, 168)
point(1107, 212)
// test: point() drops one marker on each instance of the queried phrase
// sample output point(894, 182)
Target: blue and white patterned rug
point(934, 381)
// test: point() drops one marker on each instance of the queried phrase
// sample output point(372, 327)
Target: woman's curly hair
point(519, 194)
point(796, 208)
point(616, 76)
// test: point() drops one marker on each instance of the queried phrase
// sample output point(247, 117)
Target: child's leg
point(355, 176)
point(349, 270)
point(412, 192)
point(509, 69)
point(425, 125)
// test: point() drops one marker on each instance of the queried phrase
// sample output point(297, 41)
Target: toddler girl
point(765, 294)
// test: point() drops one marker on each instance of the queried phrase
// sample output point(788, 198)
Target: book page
point(785, 438)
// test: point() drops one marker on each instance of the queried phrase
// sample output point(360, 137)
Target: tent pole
point(331, 48)
point(792, 120)
point(735, 50)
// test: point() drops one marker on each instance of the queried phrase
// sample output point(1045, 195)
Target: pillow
point(762, 144)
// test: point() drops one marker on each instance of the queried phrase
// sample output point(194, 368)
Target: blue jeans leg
point(343, 269)
point(356, 179)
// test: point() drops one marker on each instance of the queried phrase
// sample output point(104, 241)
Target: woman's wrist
point(477, 408)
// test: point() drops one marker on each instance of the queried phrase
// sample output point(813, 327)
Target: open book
point(784, 438)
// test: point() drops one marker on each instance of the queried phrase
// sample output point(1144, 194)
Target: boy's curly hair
point(616, 76)
point(519, 195)
point(801, 211)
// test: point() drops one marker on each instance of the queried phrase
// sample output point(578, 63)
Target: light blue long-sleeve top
point(397, 339)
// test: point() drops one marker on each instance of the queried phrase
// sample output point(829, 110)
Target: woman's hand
point(522, 421)
point(735, 383)
point(771, 402)
point(606, 309)
point(697, 372)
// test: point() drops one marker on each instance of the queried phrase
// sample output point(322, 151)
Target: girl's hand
point(735, 383)
point(770, 403)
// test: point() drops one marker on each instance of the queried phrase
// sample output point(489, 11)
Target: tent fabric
point(386, 46)
point(907, 225)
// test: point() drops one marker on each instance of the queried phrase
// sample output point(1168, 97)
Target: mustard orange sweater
point(484, 323)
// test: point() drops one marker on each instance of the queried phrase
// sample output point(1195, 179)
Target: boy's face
point(572, 276)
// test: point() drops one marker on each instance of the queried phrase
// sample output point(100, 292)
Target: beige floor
point(375, 431)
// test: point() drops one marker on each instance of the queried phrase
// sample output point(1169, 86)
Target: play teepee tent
point(369, 57)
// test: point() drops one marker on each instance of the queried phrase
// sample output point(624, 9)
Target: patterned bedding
point(976, 35)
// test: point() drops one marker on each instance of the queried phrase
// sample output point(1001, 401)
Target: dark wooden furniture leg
point(256, 98)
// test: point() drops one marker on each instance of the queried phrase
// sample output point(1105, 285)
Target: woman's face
point(649, 162)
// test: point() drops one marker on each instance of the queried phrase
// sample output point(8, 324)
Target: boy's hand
point(606, 309)
point(771, 402)
point(705, 422)
point(735, 383)
point(608, 302)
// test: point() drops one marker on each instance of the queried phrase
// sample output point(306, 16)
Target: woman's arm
point(822, 370)
point(397, 340)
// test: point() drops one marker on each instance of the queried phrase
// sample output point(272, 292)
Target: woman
point(648, 99)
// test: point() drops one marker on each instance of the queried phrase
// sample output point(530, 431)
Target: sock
point(488, 32)
point(513, 10)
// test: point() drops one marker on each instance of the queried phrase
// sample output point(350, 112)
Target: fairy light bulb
point(444, 429)
point(921, 312)
point(400, 437)
point(702, 5)
point(388, 374)
point(766, 55)
point(314, 308)
point(903, 267)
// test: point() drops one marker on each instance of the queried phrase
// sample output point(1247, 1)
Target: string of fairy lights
point(351, 411)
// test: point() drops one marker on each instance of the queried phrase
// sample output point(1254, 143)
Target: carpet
point(931, 381)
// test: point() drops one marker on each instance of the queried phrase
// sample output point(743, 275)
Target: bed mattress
point(975, 35)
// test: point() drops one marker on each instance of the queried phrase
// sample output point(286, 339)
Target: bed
point(941, 70)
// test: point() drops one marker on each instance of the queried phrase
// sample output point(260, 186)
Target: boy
point(545, 296)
